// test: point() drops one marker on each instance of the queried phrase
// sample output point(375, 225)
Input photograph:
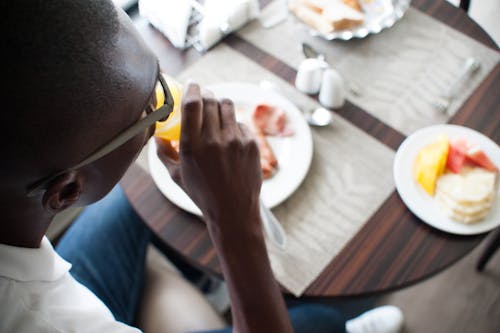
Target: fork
point(442, 103)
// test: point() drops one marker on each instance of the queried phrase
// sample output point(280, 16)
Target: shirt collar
point(32, 264)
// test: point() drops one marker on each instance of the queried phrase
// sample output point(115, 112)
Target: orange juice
point(170, 129)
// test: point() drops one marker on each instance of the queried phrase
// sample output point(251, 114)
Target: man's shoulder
point(55, 306)
point(16, 312)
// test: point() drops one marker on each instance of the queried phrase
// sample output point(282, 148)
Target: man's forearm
point(256, 300)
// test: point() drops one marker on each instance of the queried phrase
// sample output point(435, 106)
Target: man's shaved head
point(67, 69)
point(56, 70)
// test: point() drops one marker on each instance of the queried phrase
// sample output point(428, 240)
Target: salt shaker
point(332, 93)
point(309, 76)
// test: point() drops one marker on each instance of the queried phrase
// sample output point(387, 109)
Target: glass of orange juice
point(170, 129)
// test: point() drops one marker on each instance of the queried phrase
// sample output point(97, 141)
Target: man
point(79, 104)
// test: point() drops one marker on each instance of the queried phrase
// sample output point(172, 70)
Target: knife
point(310, 52)
point(272, 227)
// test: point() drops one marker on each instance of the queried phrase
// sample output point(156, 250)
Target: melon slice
point(479, 158)
point(456, 155)
point(430, 164)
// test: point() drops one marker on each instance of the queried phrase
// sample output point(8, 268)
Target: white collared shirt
point(38, 294)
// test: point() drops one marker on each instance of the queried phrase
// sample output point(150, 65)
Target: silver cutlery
point(442, 103)
point(272, 227)
point(318, 117)
point(310, 52)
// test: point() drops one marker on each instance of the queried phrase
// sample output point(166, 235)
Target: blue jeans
point(106, 246)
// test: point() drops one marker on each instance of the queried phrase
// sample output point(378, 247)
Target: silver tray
point(374, 22)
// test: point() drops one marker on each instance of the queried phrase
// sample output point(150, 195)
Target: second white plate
point(423, 205)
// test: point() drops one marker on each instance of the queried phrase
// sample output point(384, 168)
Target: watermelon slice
point(478, 157)
point(456, 155)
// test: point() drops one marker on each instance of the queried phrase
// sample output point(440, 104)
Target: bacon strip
point(271, 120)
point(268, 161)
point(268, 120)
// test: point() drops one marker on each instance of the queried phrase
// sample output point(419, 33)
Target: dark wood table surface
point(394, 248)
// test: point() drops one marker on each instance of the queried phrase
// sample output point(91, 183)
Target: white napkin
point(221, 17)
point(218, 18)
point(171, 17)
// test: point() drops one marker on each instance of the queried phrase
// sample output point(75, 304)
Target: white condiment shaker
point(332, 93)
point(309, 76)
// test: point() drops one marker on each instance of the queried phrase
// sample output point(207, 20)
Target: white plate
point(294, 153)
point(422, 204)
point(390, 11)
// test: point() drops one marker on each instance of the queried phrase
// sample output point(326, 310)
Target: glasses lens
point(159, 96)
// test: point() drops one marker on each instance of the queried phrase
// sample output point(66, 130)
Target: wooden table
point(382, 256)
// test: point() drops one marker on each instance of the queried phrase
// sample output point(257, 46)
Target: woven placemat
point(349, 178)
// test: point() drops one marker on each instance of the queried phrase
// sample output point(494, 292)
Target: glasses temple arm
point(123, 137)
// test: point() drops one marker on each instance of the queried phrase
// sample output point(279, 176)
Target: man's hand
point(218, 166)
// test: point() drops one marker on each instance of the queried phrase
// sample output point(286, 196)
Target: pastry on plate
point(328, 15)
point(468, 196)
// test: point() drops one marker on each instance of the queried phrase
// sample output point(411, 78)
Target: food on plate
point(328, 15)
point(271, 120)
point(463, 153)
point(460, 176)
point(478, 157)
point(268, 161)
point(376, 7)
point(354, 4)
point(467, 196)
point(430, 164)
point(315, 5)
point(268, 120)
point(311, 17)
point(456, 155)
point(264, 120)
point(342, 17)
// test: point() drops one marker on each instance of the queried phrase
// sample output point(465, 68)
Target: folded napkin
point(188, 23)
point(221, 17)
point(170, 17)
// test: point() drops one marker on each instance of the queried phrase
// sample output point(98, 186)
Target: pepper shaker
point(309, 76)
point(332, 93)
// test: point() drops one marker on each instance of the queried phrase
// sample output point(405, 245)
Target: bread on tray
point(327, 16)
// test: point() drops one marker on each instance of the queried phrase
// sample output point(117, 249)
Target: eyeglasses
point(159, 109)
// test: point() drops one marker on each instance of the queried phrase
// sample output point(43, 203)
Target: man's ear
point(62, 192)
